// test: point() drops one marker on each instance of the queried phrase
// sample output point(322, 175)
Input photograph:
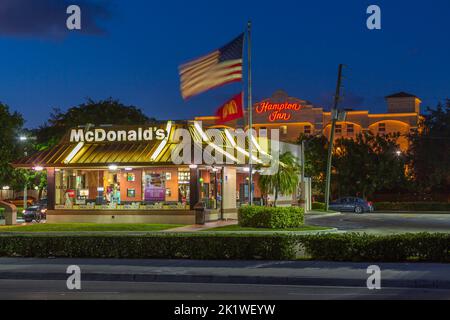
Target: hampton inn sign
point(278, 111)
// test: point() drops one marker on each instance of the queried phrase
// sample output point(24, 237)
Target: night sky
point(130, 50)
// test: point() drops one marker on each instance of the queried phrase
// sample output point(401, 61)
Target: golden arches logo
point(229, 109)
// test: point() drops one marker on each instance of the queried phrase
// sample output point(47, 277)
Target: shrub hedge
point(412, 206)
point(161, 246)
point(271, 217)
point(330, 247)
point(424, 247)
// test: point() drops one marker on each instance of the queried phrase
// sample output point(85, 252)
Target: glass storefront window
point(137, 189)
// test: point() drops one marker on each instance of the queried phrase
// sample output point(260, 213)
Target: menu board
point(155, 190)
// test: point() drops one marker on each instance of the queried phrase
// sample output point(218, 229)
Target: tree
point(368, 164)
point(316, 153)
point(107, 111)
point(29, 178)
point(285, 180)
point(11, 127)
point(360, 167)
point(430, 150)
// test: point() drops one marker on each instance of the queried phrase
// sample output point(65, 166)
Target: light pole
point(24, 139)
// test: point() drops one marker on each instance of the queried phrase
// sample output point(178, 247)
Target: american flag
point(216, 69)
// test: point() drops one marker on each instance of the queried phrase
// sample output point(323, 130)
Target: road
point(385, 223)
point(56, 290)
point(219, 280)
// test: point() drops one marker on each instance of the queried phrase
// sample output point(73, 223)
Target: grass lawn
point(240, 229)
point(74, 227)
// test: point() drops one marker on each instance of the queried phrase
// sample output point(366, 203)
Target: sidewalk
point(320, 214)
point(207, 226)
point(298, 273)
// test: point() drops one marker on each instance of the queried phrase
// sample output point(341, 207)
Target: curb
point(411, 212)
point(297, 281)
point(322, 215)
point(313, 232)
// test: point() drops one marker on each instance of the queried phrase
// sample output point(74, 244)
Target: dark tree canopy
point(11, 128)
point(361, 166)
point(107, 111)
point(430, 150)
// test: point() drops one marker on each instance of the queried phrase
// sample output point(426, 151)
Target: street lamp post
point(24, 138)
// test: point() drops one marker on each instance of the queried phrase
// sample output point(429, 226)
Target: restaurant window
point(307, 129)
point(131, 189)
point(382, 127)
point(338, 129)
point(184, 177)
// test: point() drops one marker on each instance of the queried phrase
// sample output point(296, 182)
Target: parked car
point(352, 204)
point(35, 213)
point(18, 201)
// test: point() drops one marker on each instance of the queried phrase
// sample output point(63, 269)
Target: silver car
point(352, 204)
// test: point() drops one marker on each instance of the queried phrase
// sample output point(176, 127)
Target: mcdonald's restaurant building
point(111, 174)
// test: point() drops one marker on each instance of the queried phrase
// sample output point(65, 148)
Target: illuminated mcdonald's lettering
point(230, 109)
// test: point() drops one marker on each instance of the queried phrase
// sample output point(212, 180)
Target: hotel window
point(284, 130)
point(307, 129)
point(350, 129)
point(382, 127)
point(338, 129)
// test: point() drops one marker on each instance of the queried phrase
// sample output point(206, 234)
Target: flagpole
point(250, 110)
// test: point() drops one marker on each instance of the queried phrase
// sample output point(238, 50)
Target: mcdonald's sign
point(231, 110)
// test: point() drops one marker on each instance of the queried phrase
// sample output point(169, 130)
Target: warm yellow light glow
point(201, 132)
point(216, 147)
point(206, 118)
point(387, 115)
point(230, 138)
point(74, 152)
point(239, 149)
point(163, 143)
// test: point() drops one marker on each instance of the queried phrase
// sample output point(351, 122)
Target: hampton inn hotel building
point(110, 174)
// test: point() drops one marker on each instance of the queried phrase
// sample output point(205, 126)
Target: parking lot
point(385, 223)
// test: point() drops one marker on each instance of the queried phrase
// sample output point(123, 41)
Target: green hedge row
point(424, 247)
point(163, 246)
point(271, 217)
point(412, 206)
point(330, 247)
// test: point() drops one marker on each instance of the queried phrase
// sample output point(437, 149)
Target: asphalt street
point(384, 223)
point(219, 280)
point(57, 290)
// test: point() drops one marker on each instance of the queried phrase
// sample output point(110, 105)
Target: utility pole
point(334, 119)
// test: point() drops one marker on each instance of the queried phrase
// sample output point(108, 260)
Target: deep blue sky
point(130, 50)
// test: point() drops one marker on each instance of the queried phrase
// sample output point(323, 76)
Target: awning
point(132, 154)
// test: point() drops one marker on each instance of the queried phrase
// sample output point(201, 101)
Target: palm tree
point(285, 180)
